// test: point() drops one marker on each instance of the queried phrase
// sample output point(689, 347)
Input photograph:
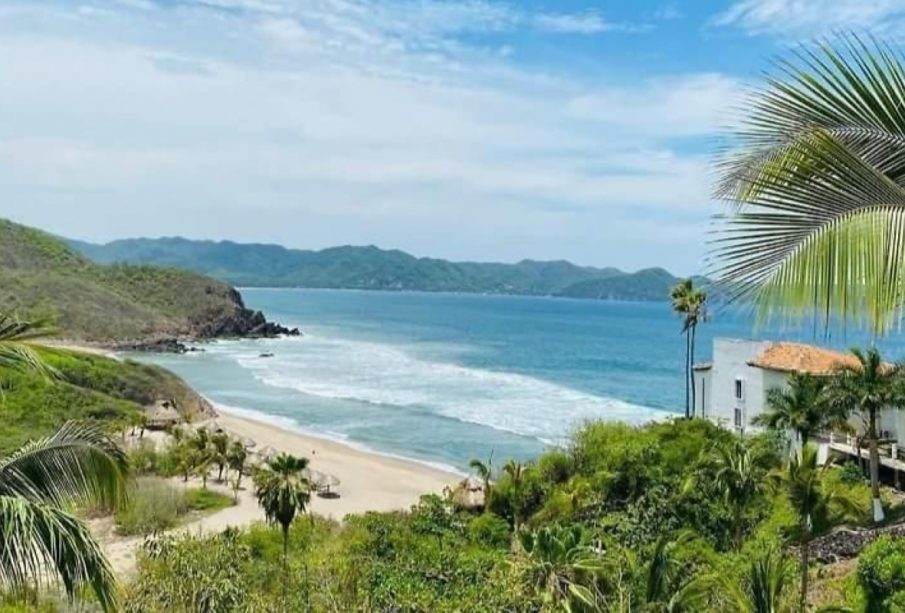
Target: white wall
point(730, 362)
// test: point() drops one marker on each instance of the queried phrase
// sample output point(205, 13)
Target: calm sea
point(442, 378)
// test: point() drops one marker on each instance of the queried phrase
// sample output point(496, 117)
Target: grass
point(202, 500)
point(91, 388)
point(156, 505)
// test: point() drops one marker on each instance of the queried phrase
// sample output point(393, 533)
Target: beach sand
point(368, 482)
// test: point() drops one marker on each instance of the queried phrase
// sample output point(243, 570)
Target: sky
point(462, 129)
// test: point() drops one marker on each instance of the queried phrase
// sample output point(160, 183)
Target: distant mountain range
point(371, 268)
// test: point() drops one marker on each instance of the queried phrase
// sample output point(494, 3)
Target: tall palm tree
point(558, 561)
point(283, 492)
point(484, 471)
point(805, 485)
point(815, 173)
point(690, 304)
point(867, 389)
point(802, 407)
point(78, 464)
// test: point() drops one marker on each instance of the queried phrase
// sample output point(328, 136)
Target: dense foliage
point(678, 516)
point(373, 268)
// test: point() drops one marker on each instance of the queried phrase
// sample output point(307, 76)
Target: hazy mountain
point(259, 265)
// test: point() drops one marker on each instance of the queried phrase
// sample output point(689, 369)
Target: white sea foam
point(396, 377)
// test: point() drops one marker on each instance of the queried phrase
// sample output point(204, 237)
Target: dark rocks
point(157, 345)
point(845, 543)
point(241, 323)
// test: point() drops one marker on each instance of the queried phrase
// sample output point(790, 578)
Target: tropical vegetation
point(689, 303)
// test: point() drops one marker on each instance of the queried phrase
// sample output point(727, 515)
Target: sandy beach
point(368, 482)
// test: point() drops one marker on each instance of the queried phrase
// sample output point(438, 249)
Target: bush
point(881, 572)
point(153, 505)
point(490, 530)
point(200, 499)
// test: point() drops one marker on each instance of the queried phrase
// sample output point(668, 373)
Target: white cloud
point(814, 17)
point(587, 23)
point(341, 128)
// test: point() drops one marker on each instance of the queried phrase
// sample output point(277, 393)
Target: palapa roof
point(798, 357)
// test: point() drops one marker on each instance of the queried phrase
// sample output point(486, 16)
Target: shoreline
point(369, 481)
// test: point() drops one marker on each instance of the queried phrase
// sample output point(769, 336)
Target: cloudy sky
point(465, 129)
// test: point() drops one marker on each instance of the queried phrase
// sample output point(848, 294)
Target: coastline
point(369, 481)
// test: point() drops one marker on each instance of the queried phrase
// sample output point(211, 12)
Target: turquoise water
point(442, 377)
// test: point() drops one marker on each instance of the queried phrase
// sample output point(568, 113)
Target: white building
point(732, 389)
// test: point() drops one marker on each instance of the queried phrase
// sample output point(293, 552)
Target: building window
point(738, 418)
point(739, 389)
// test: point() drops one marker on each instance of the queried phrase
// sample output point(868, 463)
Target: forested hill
point(257, 265)
point(43, 277)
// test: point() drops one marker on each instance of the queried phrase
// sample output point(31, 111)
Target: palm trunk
point(687, 373)
point(805, 563)
point(285, 560)
point(875, 468)
point(694, 406)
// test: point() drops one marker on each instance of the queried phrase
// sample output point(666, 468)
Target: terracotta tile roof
point(797, 357)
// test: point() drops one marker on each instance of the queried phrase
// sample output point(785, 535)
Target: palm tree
point(283, 492)
point(811, 497)
point(801, 407)
point(220, 448)
point(815, 174)
point(236, 457)
point(516, 472)
point(691, 305)
point(16, 344)
point(739, 479)
point(666, 589)
point(764, 588)
point(485, 474)
point(558, 561)
point(867, 389)
point(78, 464)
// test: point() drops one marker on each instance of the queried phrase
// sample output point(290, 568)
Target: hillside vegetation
point(256, 265)
point(624, 520)
point(42, 276)
point(87, 387)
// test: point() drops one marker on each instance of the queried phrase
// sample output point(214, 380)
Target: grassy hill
point(42, 276)
point(89, 387)
point(373, 268)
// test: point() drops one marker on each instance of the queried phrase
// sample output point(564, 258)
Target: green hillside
point(257, 265)
point(42, 276)
point(88, 387)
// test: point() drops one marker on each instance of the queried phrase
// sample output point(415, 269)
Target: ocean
point(442, 378)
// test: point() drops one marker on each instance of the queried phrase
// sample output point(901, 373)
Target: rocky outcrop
point(847, 543)
point(238, 322)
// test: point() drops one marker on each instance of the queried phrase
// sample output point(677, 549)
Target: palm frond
point(38, 539)
point(78, 463)
point(816, 175)
point(16, 338)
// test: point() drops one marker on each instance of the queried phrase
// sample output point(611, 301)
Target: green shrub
point(200, 499)
point(881, 572)
point(153, 505)
point(490, 530)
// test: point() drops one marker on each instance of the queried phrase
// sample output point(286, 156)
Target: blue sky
point(465, 129)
